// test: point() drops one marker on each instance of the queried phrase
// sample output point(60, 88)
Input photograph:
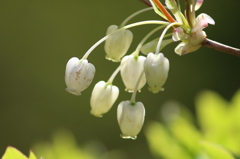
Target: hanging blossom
point(136, 70)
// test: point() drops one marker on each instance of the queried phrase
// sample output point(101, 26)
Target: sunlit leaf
point(235, 108)
point(13, 153)
point(64, 146)
point(32, 155)
point(215, 151)
point(219, 119)
point(186, 134)
point(162, 144)
point(172, 110)
point(212, 114)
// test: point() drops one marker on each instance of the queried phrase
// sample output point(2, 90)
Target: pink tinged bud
point(78, 75)
point(156, 68)
point(177, 34)
point(103, 97)
point(131, 69)
point(196, 38)
point(184, 48)
point(130, 118)
point(202, 22)
point(198, 4)
point(117, 44)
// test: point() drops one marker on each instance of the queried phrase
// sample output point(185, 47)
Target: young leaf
point(215, 151)
point(212, 114)
point(162, 144)
point(186, 134)
point(13, 153)
point(32, 155)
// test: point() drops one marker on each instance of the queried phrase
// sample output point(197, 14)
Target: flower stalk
point(123, 28)
point(221, 47)
point(164, 11)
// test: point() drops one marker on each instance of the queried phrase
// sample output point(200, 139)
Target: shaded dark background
point(38, 37)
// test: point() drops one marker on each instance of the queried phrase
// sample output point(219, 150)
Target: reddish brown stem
point(164, 11)
point(147, 3)
point(221, 47)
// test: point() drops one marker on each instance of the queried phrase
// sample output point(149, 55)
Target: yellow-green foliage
point(13, 153)
point(218, 135)
point(64, 146)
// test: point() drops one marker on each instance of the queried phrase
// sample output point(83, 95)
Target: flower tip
point(96, 115)
point(111, 59)
point(74, 92)
point(128, 137)
point(155, 90)
point(210, 20)
point(206, 18)
point(198, 4)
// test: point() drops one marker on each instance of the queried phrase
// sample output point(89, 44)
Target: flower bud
point(177, 34)
point(78, 75)
point(130, 118)
point(117, 44)
point(184, 48)
point(156, 68)
point(202, 22)
point(103, 97)
point(131, 69)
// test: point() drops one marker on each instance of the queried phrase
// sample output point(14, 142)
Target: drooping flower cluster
point(137, 70)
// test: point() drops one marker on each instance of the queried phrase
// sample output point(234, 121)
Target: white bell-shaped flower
point(156, 68)
point(131, 69)
point(103, 97)
point(130, 118)
point(78, 75)
point(118, 43)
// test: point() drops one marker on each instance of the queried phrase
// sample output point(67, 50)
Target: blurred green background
point(38, 37)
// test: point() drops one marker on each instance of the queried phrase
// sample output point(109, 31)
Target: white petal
point(131, 69)
point(196, 38)
point(117, 44)
point(78, 75)
point(177, 34)
point(190, 48)
point(202, 22)
point(130, 118)
point(156, 68)
point(103, 97)
point(198, 4)
point(178, 49)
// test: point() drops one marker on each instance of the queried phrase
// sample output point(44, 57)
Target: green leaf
point(162, 144)
point(151, 46)
point(213, 115)
point(187, 134)
point(219, 119)
point(215, 151)
point(157, 10)
point(32, 155)
point(13, 153)
point(235, 107)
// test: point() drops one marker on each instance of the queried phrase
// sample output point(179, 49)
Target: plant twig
point(221, 47)
point(164, 11)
